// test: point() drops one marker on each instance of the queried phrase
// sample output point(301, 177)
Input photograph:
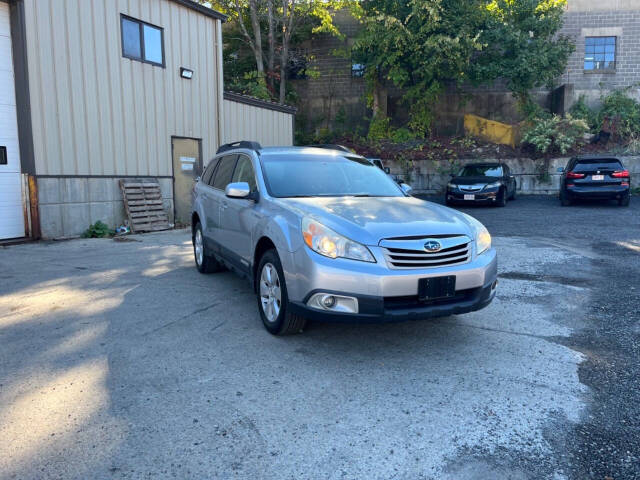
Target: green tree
point(419, 46)
point(271, 27)
point(520, 44)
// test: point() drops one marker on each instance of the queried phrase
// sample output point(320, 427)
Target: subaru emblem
point(432, 246)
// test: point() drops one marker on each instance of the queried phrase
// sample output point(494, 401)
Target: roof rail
point(241, 144)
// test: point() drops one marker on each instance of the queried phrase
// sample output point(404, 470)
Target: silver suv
point(324, 234)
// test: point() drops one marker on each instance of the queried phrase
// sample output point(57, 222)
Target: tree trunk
point(257, 37)
point(272, 49)
point(287, 27)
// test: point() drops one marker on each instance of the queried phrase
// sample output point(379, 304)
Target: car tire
point(513, 195)
point(273, 301)
point(565, 200)
point(447, 202)
point(624, 201)
point(205, 262)
point(502, 199)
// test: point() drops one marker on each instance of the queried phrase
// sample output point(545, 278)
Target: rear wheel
point(565, 200)
point(624, 201)
point(502, 198)
point(273, 301)
point(513, 195)
point(206, 263)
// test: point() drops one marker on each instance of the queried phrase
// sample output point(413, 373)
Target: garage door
point(11, 211)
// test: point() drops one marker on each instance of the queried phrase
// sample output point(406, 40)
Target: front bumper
point(384, 294)
point(481, 196)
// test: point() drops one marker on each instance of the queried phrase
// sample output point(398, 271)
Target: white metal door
point(11, 210)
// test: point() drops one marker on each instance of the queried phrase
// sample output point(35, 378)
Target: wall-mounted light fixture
point(186, 73)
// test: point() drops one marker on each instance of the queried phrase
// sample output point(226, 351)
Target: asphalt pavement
point(120, 360)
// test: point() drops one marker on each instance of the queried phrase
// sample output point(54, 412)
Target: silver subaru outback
point(326, 235)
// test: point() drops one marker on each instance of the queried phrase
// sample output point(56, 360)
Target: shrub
point(379, 128)
point(98, 230)
point(582, 111)
point(555, 134)
point(402, 135)
point(623, 111)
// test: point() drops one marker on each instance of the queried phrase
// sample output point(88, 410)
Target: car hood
point(370, 219)
point(473, 180)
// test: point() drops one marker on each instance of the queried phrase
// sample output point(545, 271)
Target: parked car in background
point(325, 234)
point(595, 177)
point(482, 183)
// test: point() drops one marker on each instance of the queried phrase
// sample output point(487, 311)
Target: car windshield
point(481, 171)
point(316, 175)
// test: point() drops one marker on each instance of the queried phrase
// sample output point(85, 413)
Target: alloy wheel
point(270, 292)
point(198, 247)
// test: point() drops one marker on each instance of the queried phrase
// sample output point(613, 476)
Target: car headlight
point(326, 242)
point(492, 185)
point(452, 185)
point(483, 237)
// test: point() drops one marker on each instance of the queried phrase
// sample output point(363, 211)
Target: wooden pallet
point(143, 203)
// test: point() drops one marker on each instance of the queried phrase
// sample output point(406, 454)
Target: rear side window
point(224, 172)
point(206, 176)
point(597, 164)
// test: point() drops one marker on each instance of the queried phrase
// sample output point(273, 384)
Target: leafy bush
point(402, 135)
point(623, 111)
point(98, 230)
point(379, 128)
point(582, 111)
point(555, 134)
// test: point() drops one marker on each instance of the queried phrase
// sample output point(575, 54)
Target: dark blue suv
point(595, 177)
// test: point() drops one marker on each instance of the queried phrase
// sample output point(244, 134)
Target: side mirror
point(406, 188)
point(560, 170)
point(387, 170)
point(237, 190)
point(451, 175)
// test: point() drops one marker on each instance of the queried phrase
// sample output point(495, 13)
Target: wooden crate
point(143, 203)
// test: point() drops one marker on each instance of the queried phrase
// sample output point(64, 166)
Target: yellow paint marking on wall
point(491, 130)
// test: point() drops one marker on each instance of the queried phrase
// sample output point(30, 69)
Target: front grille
point(456, 250)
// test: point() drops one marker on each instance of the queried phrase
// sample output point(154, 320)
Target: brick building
point(607, 56)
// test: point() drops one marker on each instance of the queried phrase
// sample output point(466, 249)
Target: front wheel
point(273, 301)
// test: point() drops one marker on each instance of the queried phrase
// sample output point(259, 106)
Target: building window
point(142, 41)
point(600, 53)
point(3, 156)
point(357, 70)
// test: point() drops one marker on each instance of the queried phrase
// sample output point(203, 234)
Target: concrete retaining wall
point(427, 176)
point(69, 205)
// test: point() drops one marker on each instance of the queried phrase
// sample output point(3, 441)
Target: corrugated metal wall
point(250, 122)
point(97, 113)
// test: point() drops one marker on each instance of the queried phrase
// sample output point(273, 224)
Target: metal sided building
point(95, 91)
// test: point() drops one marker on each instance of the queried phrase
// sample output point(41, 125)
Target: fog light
point(334, 303)
point(328, 301)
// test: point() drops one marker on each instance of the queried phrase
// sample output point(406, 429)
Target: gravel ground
point(606, 443)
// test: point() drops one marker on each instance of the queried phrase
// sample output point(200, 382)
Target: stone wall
point(431, 177)
point(68, 205)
